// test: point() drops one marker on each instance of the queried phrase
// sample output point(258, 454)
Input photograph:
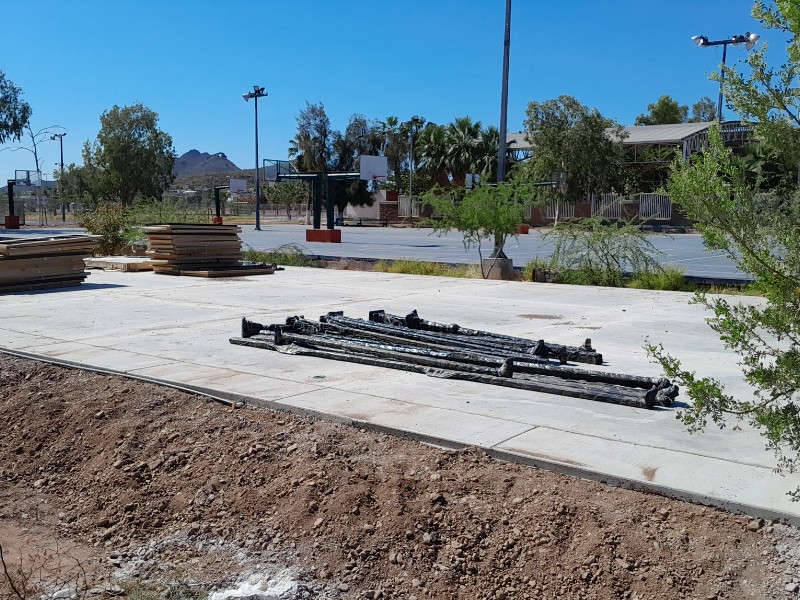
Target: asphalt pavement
point(686, 251)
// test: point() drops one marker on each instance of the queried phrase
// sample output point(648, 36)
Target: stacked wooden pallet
point(36, 263)
point(199, 250)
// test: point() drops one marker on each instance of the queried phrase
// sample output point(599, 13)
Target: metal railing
point(656, 207)
point(607, 206)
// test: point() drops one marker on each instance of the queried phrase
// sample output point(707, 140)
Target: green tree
point(767, 97)
point(760, 232)
point(288, 195)
point(764, 242)
point(312, 146)
point(131, 155)
point(703, 111)
point(570, 138)
point(663, 111)
point(487, 212)
point(14, 111)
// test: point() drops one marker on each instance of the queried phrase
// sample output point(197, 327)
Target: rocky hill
point(195, 162)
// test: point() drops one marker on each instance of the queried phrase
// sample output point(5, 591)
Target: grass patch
point(590, 275)
point(288, 255)
point(419, 267)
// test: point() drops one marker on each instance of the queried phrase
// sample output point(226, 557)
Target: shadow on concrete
point(75, 288)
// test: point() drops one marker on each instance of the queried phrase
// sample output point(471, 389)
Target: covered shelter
point(689, 137)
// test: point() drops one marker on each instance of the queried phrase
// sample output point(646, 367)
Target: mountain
point(195, 162)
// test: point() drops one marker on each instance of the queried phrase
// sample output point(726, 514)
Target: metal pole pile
point(450, 351)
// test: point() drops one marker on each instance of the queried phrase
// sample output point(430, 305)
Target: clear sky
point(191, 60)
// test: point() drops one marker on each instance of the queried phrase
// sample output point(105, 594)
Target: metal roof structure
point(692, 137)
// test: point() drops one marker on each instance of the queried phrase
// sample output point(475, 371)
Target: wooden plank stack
point(199, 250)
point(37, 263)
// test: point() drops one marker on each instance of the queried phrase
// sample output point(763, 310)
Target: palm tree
point(462, 137)
point(431, 148)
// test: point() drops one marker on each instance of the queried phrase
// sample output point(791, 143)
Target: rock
point(343, 587)
point(517, 500)
point(622, 563)
point(792, 587)
point(415, 583)
point(589, 560)
point(427, 538)
point(317, 523)
point(755, 524)
point(64, 594)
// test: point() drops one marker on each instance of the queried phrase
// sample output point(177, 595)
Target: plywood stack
point(36, 263)
point(199, 250)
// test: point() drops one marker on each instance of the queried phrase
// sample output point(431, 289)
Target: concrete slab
point(177, 329)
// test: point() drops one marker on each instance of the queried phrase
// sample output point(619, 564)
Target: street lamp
point(60, 137)
point(502, 149)
point(748, 39)
point(413, 127)
point(258, 92)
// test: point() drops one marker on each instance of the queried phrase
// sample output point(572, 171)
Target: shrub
point(287, 255)
point(665, 278)
point(111, 222)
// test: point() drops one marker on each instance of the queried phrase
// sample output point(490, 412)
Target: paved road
point(683, 250)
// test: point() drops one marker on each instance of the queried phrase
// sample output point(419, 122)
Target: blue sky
point(190, 61)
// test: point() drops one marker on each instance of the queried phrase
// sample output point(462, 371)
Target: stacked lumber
point(199, 250)
point(36, 263)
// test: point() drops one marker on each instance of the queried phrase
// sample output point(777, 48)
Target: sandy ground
point(105, 482)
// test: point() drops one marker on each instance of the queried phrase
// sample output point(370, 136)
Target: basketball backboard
point(28, 178)
point(373, 168)
point(237, 185)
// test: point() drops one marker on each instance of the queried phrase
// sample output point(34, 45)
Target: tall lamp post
point(258, 92)
point(501, 150)
point(60, 137)
point(748, 39)
point(413, 127)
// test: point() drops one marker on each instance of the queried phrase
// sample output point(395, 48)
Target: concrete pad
point(698, 478)
point(177, 329)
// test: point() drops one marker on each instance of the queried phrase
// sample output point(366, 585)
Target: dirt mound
point(156, 484)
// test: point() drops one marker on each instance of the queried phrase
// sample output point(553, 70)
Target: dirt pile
point(151, 483)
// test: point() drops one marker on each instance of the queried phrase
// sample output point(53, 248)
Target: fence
point(655, 207)
point(408, 206)
point(560, 210)
point(607, 206)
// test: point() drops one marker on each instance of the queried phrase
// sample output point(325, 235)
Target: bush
point(287, 255)
point(419, 267)
point(589, 250)
point(590, 275)
point(111, 222)
point(665, 278)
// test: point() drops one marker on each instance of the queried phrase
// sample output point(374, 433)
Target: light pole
point(501, 150)
point(258, 92)
point(748, 39)
point(413, 127)
point(60, 137)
